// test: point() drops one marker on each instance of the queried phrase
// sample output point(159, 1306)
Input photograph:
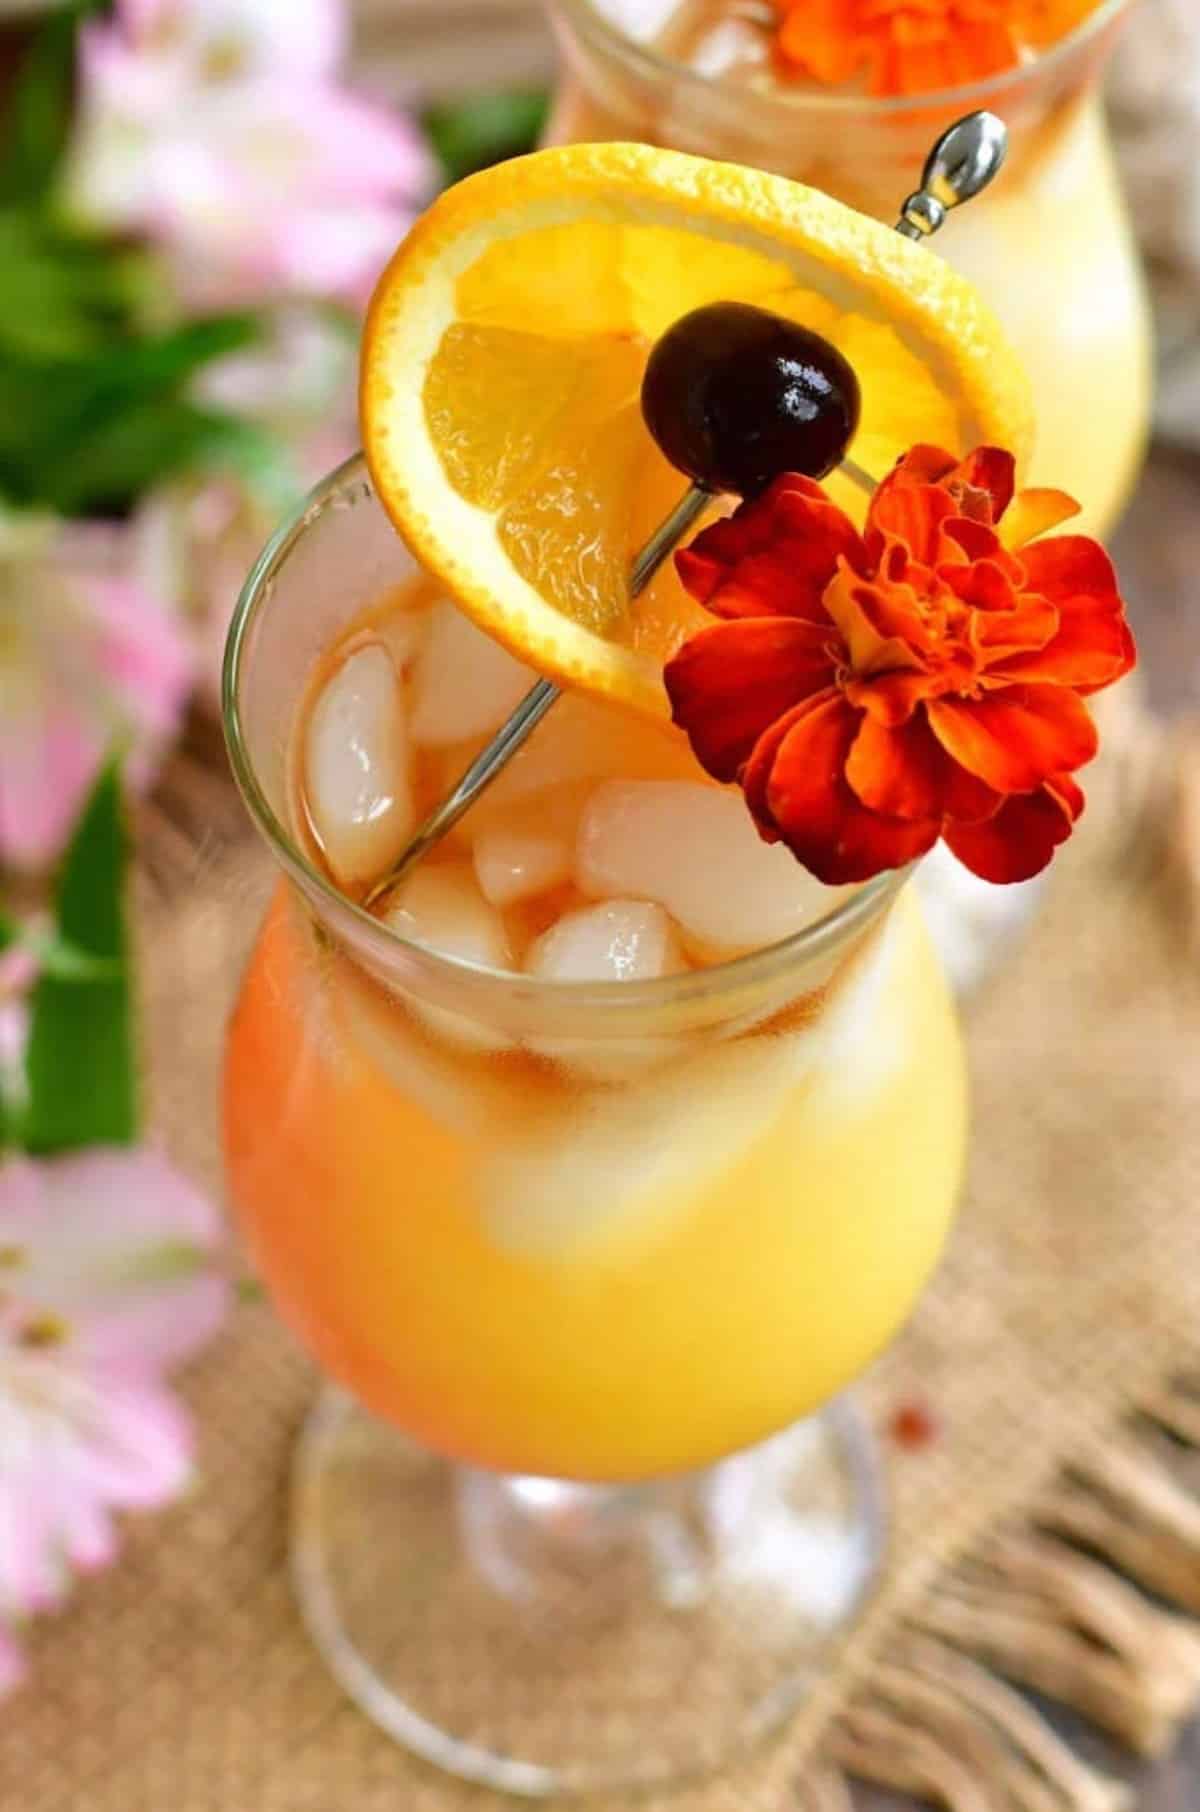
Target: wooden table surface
point(1158, 555)
point(1157, 551)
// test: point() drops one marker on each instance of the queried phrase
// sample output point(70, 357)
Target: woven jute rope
point(1047, 1537)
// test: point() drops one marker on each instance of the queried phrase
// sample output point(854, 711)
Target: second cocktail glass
point(1050, 247)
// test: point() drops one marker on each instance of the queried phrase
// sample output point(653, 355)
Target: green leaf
point(65, 295)
point(89, 435)
point(39, 104)
point(10, 933)
point(53, 954)
point(81, 1062)
point(481, 129)
point(150, 441)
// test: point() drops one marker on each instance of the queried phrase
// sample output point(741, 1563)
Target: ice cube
point(695, 850)
point(357, 782)
point(627, 1165)
point(626, 940)
point(468, 1099)
point(403, 634)
point(441, 907)
point(582, 739)
point(528, 849)
point(733, 50)
point(464, 684)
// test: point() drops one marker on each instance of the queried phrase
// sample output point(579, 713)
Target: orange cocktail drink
point(515, 1211)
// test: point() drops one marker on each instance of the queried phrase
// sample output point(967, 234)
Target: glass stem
point(531, 1537)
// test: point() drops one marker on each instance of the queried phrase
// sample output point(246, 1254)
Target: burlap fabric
point(1052, 1349)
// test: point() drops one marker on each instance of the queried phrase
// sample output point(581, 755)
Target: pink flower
point(220, 132)
point(293, 37)
point(109, 1265)
point(87, 657)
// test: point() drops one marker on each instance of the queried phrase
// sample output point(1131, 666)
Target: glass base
point(545, 1638)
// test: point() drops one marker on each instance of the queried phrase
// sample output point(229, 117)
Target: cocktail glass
point(1049, 246)
point(588, 1264)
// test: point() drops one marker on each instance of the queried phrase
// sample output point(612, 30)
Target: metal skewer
point(536, 702)
point(960, 166)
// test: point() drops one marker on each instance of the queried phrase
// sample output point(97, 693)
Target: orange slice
point(502, 363)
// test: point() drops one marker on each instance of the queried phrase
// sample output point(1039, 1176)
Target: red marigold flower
point(873, 692)
point(917, 46)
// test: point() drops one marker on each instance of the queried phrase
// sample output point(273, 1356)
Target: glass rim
point(756, 968)
point(967, 97)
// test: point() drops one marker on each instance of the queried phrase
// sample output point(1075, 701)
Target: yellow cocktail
point(711, 1163)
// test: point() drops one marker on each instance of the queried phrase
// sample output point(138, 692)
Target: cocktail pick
point(811, 418)
point(960, 166)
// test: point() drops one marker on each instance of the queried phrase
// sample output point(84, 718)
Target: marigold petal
point(1030, 625)
point(911, 513)
point(899, 771)
point(929, 489)
point(1020, 841)
point(1091, 649)
point(761, 585)
point(881, 623)
point(989, 469)
point(905, 772)
point(968, 799)
point(890, 698)
point(1016, 739)
point(756, 775)
point(820, 38)
point(814, 810)
point(729, 683)
point(984, 585)
point(1069, 794)
point(965, 540)
point(1069, 566)
point(774, 556)
point(1036, 512)
point(931, 65)
point(925, 464)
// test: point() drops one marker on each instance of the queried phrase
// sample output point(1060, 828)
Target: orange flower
point(872, 693)
point(917, 46)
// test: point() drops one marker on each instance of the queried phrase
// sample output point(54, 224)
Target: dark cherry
point(735, 395)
